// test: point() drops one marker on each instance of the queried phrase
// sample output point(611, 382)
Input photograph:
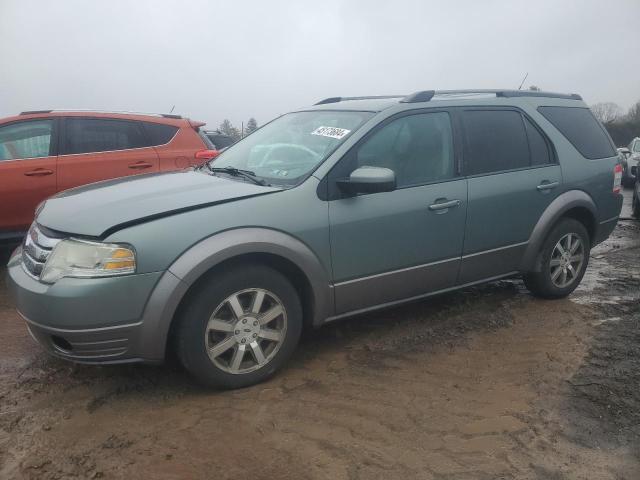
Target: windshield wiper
point(237, 172)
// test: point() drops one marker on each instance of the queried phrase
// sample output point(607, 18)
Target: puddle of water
point(606, 320)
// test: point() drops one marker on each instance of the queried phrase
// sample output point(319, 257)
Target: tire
point(635, 206)
point(548, 283)
point(214, 330)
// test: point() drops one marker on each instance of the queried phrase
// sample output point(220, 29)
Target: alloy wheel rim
point(566, 261)
point(246, 330)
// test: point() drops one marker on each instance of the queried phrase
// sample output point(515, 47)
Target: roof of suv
point(167, 119)
point(382, 102)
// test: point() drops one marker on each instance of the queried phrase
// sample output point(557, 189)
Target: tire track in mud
point(606, 386)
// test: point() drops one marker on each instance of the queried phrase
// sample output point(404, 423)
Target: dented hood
point(98, 208)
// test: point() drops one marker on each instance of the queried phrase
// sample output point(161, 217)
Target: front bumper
point(94, 345)
point(95, 320)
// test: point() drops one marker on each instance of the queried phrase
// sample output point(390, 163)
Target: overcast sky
point(236, 59)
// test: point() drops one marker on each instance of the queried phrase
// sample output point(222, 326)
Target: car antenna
point(522, 83)
point(172, 108)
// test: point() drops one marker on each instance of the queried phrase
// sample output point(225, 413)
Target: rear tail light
point(617, 178)
point(205, 155)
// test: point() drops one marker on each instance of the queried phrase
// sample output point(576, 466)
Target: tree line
point(622, 126)
point(227, 128)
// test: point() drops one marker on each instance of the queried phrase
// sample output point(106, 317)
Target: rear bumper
point(604, 230)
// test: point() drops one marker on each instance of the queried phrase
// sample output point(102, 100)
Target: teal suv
point(345, 207)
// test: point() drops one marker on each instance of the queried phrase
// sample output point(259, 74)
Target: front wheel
point(635, 206)
point(563, 260)
point(239, 327)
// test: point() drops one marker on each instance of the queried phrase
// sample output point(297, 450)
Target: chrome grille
point(36, 248)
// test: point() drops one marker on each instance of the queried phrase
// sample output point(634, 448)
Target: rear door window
point(92, 135)
point(495, 141)
point(581, 128)
point(30, 139)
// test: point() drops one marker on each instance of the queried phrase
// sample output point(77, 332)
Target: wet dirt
point(484, 383)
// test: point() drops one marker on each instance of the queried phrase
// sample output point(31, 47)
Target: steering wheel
point(268, 158)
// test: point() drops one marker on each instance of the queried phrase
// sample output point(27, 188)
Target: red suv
point(44, 152)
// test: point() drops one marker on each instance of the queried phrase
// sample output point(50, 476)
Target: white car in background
point(631, 162)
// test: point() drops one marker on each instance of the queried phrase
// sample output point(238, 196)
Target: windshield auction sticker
point(332, 132)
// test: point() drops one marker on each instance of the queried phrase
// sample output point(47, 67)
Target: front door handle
point(546, 185)
point(39, 172)
point(442, 205)
point(140, 165)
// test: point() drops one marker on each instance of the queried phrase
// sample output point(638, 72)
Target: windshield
point(636, 146)
point(284, 151)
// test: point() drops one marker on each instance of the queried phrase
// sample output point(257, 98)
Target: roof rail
point(344, 99)
point(536, 93)
point(427, 95)
point(418, 97)
point(165, 115)
point(32, 112)
point(511, 93)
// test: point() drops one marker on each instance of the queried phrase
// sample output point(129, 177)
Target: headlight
point(79, 258)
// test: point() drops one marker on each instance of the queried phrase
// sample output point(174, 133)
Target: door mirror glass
point(369, 180)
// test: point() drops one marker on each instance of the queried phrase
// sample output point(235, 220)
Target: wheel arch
point(231, 248)
point(574, 204)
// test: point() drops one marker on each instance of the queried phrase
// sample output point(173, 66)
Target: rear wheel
point(636, 201)
point(563, 260)
point(239, 327)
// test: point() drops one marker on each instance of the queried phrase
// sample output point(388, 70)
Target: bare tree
point(252, 126)
point(625, 127)
point(633, 115)
point(227, 128)
point(607, 112)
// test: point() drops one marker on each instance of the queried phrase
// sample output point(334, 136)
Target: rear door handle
point(140, 165)
point(442, 205)
point(39, 172)
point(546, 185)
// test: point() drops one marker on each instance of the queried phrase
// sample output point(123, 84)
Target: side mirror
point(368, 180)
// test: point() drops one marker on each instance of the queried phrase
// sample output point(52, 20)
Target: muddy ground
point(481, 384)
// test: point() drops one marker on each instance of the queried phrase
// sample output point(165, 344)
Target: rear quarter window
point(158, 133)
point(580, 127)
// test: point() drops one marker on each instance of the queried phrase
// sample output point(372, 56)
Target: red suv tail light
point(617, 178)
point(205, 155)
